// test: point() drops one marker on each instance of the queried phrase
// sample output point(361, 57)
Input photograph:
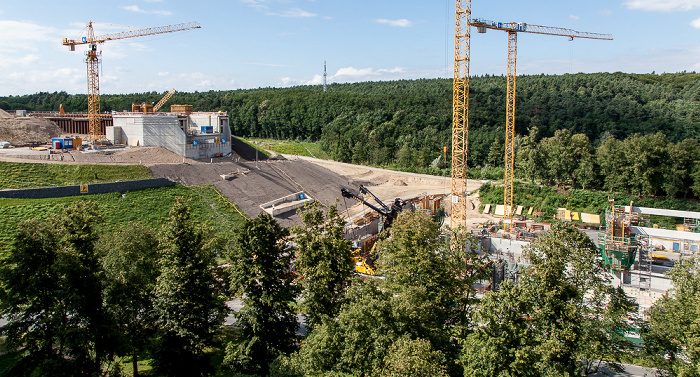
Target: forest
point(371, 122)
point(83, 300)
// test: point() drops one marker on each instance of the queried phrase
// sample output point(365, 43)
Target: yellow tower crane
point(460, 113)
point(93, 60)
point(513, 28)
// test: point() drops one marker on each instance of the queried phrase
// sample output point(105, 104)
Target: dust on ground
point(388, 185)
point(27, 130)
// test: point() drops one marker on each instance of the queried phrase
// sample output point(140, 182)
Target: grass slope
point(149, 206)
point(28, 175)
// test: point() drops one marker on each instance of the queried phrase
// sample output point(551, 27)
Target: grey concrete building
point(192, 135)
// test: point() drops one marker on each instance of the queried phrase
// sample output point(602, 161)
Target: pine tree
point(323, 262)
point(262, 276)
point(187, 305)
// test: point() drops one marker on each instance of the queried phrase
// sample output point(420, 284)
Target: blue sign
point(84, 40)
point(223, 140)
point(194, 142)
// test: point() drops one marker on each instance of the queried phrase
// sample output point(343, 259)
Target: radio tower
point(324, 75)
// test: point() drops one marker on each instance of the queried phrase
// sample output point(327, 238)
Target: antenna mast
point(324, 75)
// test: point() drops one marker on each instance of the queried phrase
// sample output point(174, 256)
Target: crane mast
point(513, 28)
point(93, 63)
point(460, 112)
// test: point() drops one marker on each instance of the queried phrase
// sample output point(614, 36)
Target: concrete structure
point(286, 203)
point(194, 135)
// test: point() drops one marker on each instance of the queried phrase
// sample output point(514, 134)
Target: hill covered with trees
point(370, 122)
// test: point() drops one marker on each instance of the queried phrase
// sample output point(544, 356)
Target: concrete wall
point(286, 203)
point(164, 129)
point(97, 188)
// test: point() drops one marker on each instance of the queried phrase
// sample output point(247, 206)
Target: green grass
point(301, 148)
point(28, 175)
point(149, 206)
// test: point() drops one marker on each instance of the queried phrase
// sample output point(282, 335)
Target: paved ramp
point(265, 182)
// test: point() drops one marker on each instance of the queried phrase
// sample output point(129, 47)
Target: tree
point(561, 312)
point(614, 170)
point(130, 263)
point(672, 338)
point(187, 304)
point(682, 162)
point(52, 297)
point(413, 357)
point(323, 263)
point(262, 276)
point(356, 342)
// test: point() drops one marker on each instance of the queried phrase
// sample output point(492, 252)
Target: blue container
point(57, 143)
point(207, 129)
point(68, 143)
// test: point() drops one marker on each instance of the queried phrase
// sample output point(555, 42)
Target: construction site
point(197, 148)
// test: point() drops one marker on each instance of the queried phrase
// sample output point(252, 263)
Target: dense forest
point(371, 122)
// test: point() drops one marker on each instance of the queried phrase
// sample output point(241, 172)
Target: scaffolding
point(644, 263)
point(619, 246)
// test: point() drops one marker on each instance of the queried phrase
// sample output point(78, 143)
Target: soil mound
point(22, 131)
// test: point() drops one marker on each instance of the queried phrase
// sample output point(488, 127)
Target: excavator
point(364, 260)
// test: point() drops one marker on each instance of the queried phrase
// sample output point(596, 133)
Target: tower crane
point(460, 112)
point(513, 28)
point(93, 60)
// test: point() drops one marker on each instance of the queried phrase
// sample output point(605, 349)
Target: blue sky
point(279, 43)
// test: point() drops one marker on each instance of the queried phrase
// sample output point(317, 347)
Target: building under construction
point(189, 134)
point(634, 251)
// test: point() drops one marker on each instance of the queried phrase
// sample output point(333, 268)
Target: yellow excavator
point(362, 257)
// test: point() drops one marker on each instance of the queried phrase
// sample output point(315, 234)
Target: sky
point(245, 44)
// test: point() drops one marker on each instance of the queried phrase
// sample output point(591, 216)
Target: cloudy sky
point(279, 43)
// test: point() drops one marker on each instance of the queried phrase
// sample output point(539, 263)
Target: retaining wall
point(97, 188)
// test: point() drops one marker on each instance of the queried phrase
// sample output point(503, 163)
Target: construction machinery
point(388, 214)
point(93, 60)
point(364, 251)
point(513, 28)
point(149, 107)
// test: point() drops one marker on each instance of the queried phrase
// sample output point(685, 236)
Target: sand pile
point(26, 130)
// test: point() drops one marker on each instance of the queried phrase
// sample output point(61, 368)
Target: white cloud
point(354, 72)
point(695, 23)
point(605, 12)
point(398, 23)
point(163, 74)
point(293, 13)
point(24, 35)
point(257, 4)
point(134, 8)
point(137, 9)
point(573, 17)
point(662, 5)
point(20, 61)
